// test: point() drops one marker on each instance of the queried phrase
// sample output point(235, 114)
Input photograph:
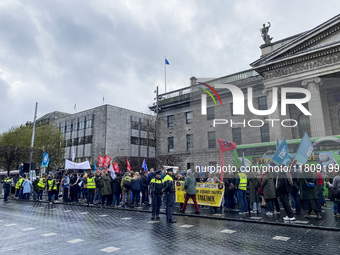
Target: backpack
point(336, 191)
point(127, 184)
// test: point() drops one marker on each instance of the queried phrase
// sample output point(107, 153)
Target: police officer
point(156, 190)
point(7, 187)
point(169, 190)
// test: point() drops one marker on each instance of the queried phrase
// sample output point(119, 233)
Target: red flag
point(226, 145)
point(128, 167)
point(107, 161)
point(100, 161)
point(116, 167)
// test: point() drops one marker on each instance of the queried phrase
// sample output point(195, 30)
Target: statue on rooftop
point(264, 33)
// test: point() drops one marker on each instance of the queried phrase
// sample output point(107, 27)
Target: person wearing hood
point(190, 188)
point(126, 187)
point(105, 189)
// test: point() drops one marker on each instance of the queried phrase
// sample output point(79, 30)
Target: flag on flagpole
point(103, 99)
point(100, 161)
point(116, 167)
point(225, 146)
point(167, 62)
point(128, 166)
point(107, 161)
point(75, 106)
point(144, 165)
point(305, 149)
point(112, 172)
point(281, 153)
point(95, 167)
point(45, 160)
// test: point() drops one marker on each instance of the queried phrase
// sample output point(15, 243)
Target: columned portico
point(317, 120)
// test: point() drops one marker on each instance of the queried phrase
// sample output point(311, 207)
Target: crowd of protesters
point(297, 190)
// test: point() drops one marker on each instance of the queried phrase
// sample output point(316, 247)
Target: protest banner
point(208, 194)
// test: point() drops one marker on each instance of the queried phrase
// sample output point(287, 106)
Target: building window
point(152, 143)
point(304, 125)
point(134, 125)
point(81, 125)
point(189, 165)
point(188, 117)
point(88, 139)
point(211, 113)
point(75, 127)
point(237, 137)
point(211, 139)
point(263, 103)
point(134, 140)
point(144, 141)
point(75, 141)
point(88, 123)
point(68, 142)
point(144, 125)
point(190, 142)
point(265, 133)
point(81, 140)
point(171, 121)
point(170, 144)
point(68, 128)
point(62, 130)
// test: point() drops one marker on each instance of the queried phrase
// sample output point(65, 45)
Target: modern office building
point(106, 130)
point(187, 136)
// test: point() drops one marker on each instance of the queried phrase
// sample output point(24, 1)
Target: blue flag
point(95, 167)
point(167, 62)
point(144, 165)
point(281, 153)
point(201, 171)
point(305, 149)
point(45, 160)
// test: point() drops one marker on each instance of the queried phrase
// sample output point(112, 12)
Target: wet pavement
point(29, 227)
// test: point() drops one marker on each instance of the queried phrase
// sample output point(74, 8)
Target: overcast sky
point(59, 53)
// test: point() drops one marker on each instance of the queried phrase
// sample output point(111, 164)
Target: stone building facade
point(106, 130)
point(310, 60)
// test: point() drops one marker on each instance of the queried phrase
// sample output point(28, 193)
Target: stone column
point(317, 120)
point(276, 131)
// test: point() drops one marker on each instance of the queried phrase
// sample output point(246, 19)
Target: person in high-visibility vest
point(18, 187)
point(52, 188)
point(91, 187)
point(241, 189)
point(7, 187)
point(169, 190)
point(41, 185)
point(156, 190)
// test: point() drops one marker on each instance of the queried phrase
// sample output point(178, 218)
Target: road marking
point(153, 221)
point(218, 215)
point(53, 209)
point(110, 249)
point(9, 225)
point(126, 218)
point(228, 231)
point(49, 234)
point(187, 226)
point(300, 221)
point(67, 211)
point(76, 241)
point(104, 215)
point(84, 213)
point(255, 218)
point(26, 229)
point(281, 238)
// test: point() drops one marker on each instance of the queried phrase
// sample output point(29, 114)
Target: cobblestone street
point(40, 228)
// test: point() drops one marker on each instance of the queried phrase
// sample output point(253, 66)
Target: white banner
point(81, 165)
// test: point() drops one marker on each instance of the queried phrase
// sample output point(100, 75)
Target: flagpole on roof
point(165, 72)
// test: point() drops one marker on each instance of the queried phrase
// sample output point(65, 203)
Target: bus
point(326, 151)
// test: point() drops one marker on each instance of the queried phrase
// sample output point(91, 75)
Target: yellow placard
point(209, 194)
